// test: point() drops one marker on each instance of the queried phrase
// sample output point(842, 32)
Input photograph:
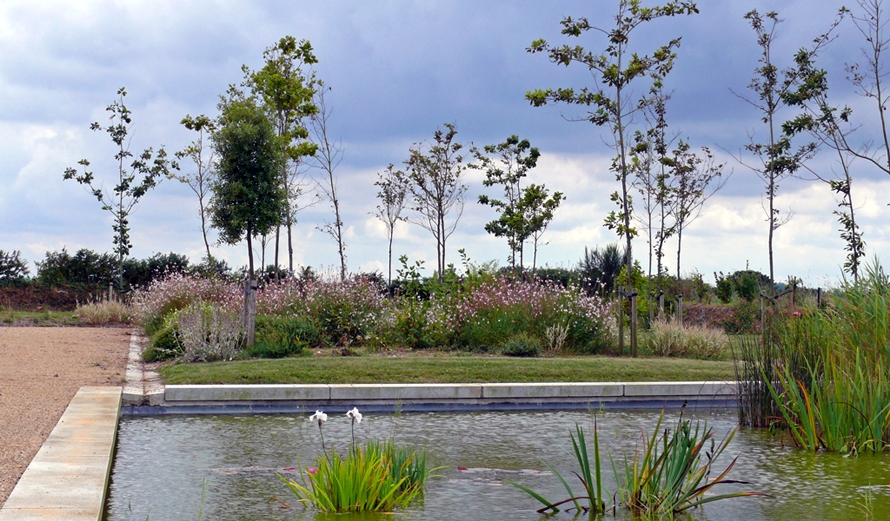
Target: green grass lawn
point(445, 369)
point(38, 318)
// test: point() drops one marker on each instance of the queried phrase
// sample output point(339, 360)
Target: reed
point(668, 474)
point(825, 372)
point(589, 475)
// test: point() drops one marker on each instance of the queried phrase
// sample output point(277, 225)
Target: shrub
point(522, 345)
point(494, 311)
point(743, 319)
point(208, 332)
point(164, 344)
point(671, 339)
point(84, 269)
point(279, 337)
point(341, 309)
point(13, 269)
point(154, 303)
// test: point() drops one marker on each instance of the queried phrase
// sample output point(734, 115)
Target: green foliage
point(13, 268)
point(744, 319)
point(84, 269)
point(522, 345)
point(248, 197)
point(746, 285)
point(723, 288)
point(669, 474)
point(827, 374)
point(165, 343)
point(376, 477)
point(600, 268)
point(279, 337)
point(434, 181)
point(127, 189)
point(139, 273)
point(513, 159)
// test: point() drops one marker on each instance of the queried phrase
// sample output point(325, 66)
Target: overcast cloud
point(398, 71)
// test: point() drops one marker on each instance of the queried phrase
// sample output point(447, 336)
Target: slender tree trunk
point(389, 272)
point(679, 245)
point(277, 234)
point(290, 247)
point(626, 207)
point(204, 229)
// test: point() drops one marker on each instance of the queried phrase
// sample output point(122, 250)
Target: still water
point(224, 467)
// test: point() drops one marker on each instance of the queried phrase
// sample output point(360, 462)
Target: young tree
point(512, 160)
point(393, 189)
point(611, 99)
point(777, 157)
point(437, 193)
point(649, 163)
point(535, 210)
point(248, 197)
point(830, 127)
point(286, 92)
point(327, 158)
point(695, 180)
point(202, 178)
point(868, 79)
point(135, 177)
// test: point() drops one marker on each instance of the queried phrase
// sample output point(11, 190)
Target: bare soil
point(41, 369)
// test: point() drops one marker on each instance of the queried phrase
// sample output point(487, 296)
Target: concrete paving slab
point(406, 392)
point(551, 390)
point(225, 393)
point(68, 478)
point(679, 389)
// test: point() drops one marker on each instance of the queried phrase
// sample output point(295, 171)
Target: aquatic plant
point(667, 476)
point(825, 370)
point(376, 476)
point(589, 475)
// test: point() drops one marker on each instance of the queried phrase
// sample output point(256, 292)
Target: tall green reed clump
point(374, 476)
point(831, 384)
point(672, 473)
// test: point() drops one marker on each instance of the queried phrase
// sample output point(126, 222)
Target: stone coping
point(67, 479)
point(295, 395)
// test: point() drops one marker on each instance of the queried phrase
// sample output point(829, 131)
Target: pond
point(224, 467)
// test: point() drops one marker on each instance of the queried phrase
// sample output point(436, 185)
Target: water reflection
point(163, 463)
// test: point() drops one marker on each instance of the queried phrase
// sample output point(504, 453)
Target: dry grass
point(671, 339)
point(103, 312)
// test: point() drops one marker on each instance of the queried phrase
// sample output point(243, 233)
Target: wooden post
point(633, 325)
point(621, 325)
point(651, 309)
point(661, 305)
point(249, 316)
point(679, 310)
point(819, 297)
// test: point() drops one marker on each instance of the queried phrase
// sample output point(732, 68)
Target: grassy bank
point(445, 369)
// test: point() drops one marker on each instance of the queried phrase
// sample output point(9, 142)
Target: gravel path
point(41, 368)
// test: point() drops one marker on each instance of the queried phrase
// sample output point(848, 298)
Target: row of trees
point(792, 103)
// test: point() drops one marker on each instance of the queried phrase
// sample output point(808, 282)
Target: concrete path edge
point(68, 478)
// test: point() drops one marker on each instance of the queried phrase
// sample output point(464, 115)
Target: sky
point(398, 71)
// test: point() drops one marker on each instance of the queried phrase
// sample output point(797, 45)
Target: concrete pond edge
point(146, 395)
